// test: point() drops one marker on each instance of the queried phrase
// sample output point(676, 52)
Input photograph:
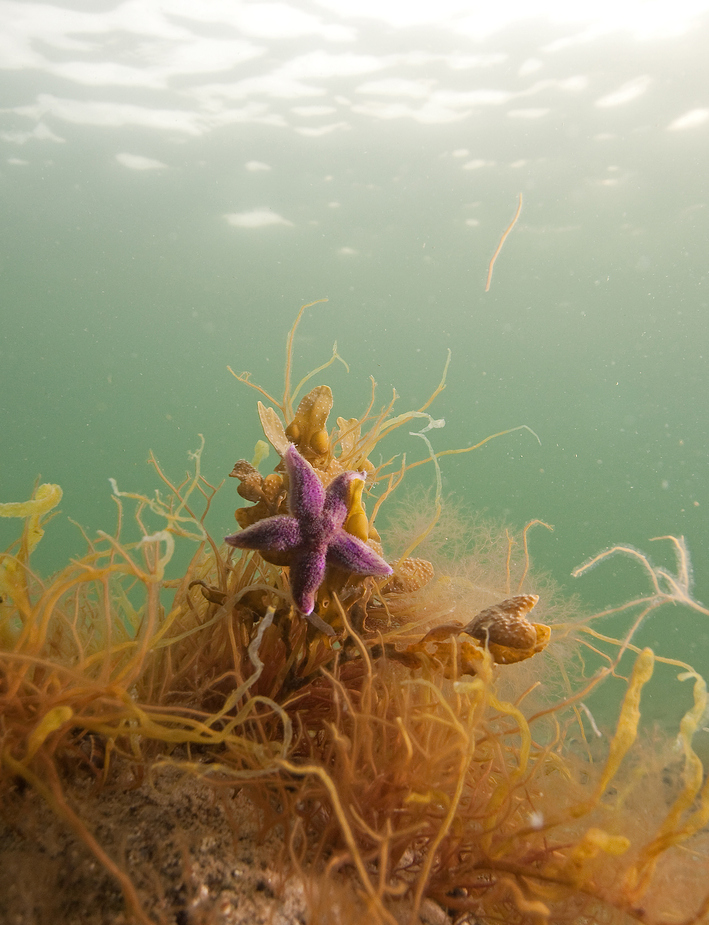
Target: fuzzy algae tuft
point(416, 743)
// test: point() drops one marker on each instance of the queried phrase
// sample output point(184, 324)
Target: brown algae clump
point(410, 733)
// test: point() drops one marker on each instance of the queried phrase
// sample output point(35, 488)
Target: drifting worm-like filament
point(502, 241)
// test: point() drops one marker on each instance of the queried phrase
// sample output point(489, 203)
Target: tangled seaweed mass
point(412, 735)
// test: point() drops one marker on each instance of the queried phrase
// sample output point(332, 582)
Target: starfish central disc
point(312, 536)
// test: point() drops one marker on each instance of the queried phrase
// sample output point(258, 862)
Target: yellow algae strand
point(627, 730)
point(13, 580)
point(596, 840)
point(45, 498)
point(49, 723)
point(502, 241)
point(690, 811)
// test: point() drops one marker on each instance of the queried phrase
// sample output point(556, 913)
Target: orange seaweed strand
point(502, 241)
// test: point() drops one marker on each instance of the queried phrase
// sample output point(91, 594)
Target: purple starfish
point(312, 537)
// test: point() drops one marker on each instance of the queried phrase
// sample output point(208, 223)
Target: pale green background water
point(140, 141)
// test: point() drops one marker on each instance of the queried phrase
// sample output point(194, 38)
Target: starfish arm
point(337, 500)
point(306, 494)
point(348, 552)
point(306, 576)
point(278, 534)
